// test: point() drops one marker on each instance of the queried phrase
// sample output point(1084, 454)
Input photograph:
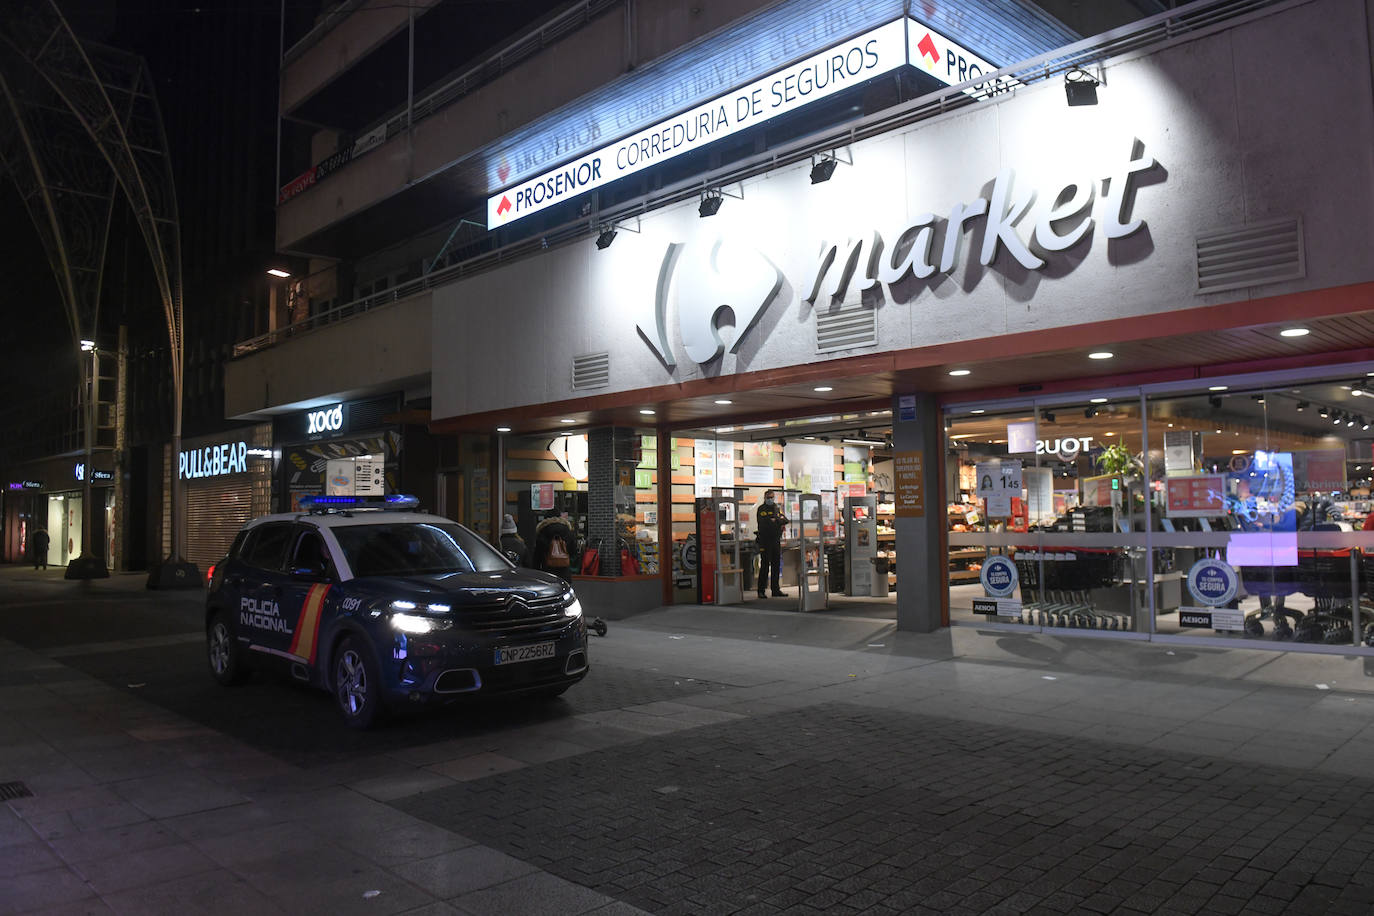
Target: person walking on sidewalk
point(40, 548)
point(770, 523)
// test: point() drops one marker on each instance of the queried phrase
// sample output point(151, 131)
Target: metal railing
point(486, 71)
point(1195, 20)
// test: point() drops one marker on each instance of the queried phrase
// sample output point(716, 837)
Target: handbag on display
point(628, 566)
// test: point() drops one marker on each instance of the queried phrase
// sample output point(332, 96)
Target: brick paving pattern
point(846, 809)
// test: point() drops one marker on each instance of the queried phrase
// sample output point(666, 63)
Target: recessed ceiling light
point(1101, 354)
point(1218, 387)
point(1110, 434)
point(959, 372)
point(567, 420)
point(979, 410)
point(1294, 332)
point(1218, 431)
point(646, 411)
point(503, 429)
point(1098, 401)
point(808, 437)
point(723, 401)
point(822, 388)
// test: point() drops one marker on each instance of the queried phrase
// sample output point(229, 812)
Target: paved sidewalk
point(723, 761)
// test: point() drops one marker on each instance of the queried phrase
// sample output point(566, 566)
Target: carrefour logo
point(1212, 582)
point(999, 577)
point(328, 420)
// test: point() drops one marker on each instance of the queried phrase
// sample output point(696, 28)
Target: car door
point(311, 578)
point(260, 614)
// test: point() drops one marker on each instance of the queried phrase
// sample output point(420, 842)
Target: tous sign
point(328, 420)
point(1064, 448)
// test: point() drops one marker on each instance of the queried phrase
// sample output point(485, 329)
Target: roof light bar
point(313, 502)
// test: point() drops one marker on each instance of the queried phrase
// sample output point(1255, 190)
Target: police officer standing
point(770, 523)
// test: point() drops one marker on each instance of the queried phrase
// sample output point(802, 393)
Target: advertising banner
point(1195, 497)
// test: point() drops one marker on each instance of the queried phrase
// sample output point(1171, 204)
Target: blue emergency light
point(321, 503)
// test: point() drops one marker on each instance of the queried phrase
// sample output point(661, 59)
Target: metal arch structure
point(112, 97)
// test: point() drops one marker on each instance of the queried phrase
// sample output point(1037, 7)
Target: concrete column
point(601, 497)
point(921, 557)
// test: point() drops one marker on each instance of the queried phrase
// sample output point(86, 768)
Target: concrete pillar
point(921, 557)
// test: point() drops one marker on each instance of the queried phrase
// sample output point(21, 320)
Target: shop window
point(1230, 512)
point(1262, 507)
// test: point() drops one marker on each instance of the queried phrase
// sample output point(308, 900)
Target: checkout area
point(827, 558)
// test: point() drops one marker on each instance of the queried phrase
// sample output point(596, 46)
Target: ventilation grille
point(592, 370)
point(1250, 255)
point(846, 328)
point(371, 414)
point(10, 790)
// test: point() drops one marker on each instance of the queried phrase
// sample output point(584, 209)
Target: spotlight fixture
point(710, 202)
point(1323, 413)
point(1049, 417)
point(1214, 400)
point(1303, 405)
point(1364, 424)
point(1080, 87)
point(1349, 420)
point(603, 241)
point(1089, 412)
point(782, 442)
point(822, 169)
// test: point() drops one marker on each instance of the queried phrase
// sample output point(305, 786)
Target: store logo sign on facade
point(328, 420)
point(743, 281)
point(1062, 219)
point(213, 460)
point(711, 282)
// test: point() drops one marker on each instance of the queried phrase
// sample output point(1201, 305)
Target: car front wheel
point(357, 686)
point(222, 646)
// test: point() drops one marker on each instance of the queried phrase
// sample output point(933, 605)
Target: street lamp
point(91, 563)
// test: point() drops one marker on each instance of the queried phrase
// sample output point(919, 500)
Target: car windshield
point(416, 548)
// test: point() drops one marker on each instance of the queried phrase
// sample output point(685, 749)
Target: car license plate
point(510, 655)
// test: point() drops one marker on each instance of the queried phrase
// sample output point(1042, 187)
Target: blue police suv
point(384, 606)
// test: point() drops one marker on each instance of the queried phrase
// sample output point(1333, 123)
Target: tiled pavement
point(784, 763)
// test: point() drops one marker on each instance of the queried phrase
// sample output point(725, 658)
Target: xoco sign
point(324, 421)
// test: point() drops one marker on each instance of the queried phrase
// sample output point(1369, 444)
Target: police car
point(384, 606)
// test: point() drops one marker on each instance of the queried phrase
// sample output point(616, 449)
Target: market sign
point(819, 76)
point(1025, 222)
point(26, 485)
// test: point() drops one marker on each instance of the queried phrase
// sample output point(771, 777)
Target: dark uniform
point(770, 524)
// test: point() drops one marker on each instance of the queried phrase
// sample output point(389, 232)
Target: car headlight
point(573, 608)
point(414, 623)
